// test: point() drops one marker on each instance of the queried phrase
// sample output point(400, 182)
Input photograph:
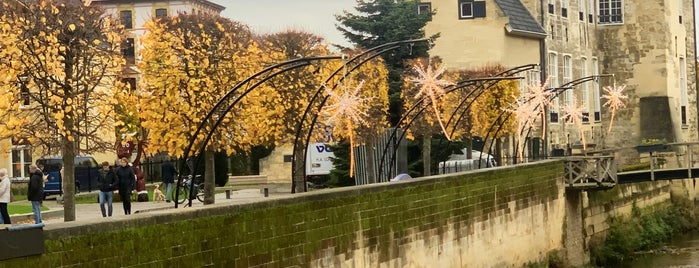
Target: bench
point(244, 182)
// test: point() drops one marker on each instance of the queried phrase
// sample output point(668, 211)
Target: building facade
point(649, 46)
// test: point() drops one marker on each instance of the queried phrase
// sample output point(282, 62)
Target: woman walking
point(127, 181)
point(4, 196)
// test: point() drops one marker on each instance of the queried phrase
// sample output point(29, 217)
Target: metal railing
point(586, 172)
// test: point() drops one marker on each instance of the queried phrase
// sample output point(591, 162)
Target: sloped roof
point(521, 20)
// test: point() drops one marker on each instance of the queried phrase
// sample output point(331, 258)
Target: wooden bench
point(244, 182)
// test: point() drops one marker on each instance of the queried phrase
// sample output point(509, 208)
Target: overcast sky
point(270, 16)
point(315, 16)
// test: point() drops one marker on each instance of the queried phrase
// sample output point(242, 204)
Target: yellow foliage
point(189, 63)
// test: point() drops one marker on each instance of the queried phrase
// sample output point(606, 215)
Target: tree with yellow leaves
point(488, 106)
point(425, 84)
point(68, 67)
point(189, 62)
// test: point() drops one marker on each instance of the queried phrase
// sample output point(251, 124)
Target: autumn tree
point(486, 109)
point(365, 92)
point(383, 21)
point(189, 62)
point(68, 68)
point(436, 104)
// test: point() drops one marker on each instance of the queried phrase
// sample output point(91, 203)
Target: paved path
point(88, 212)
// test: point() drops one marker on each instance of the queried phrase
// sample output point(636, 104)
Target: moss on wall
point(305, 227)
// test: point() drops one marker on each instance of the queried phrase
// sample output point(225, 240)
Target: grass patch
point(22, 209)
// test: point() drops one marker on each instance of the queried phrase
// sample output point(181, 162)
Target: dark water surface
point(681, 252)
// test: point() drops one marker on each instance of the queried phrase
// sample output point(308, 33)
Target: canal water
point(681, 252)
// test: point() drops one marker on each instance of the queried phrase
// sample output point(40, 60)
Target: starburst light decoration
point(431, 87)
point(538, 97)
point(615, 100)
point(573, 113)
point(347, 106)
point(526, 114)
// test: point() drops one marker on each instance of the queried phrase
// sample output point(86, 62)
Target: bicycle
point(185, 186)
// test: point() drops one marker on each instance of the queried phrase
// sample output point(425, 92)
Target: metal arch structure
point(229, 100)
point(509, 72)
point(460, 85)
point(479, 91)
point(555, 93)
point(350, 65)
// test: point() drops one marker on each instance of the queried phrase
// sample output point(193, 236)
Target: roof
point(521, 20)
point(213, 5)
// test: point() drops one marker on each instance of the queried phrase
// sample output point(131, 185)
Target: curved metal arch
point(372, 53)
point(223, 107)
point(509, 72)
point(460, 85)
point(557, 91)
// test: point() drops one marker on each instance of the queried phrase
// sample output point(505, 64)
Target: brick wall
point(502, 216)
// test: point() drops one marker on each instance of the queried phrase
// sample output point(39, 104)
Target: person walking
point(107, 183)
point(169, 172)
point(127, 181)
point(35, 191)
point(5, 190)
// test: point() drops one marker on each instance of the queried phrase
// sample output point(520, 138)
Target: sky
point(271, 16)
point(314, 16)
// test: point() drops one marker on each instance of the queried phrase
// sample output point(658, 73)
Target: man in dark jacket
point(35, 191)
point(127, 181)
point(169, 172)
point(107, 183)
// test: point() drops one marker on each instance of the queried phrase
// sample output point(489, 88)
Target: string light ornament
point(431, 87)
point(347, 106)
point(615, 100)
point(525, 112)
point(539, 97)
point(573, 113)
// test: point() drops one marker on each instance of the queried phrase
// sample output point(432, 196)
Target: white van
point(460, 162)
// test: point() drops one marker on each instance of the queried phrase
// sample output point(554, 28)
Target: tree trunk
point(209, 177)
point(299, 167)
point(426, 152)
point(369, 161)
point(68, 171)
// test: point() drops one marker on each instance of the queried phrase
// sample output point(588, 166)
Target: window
point(21, 160)
point(551, 7)
point(469, 9)
point(466, 10)
point(127, 49)
point(25, 96)
point(567, 77)
point(610, 11)
point(683, 91)
point(553, 83)
point(161, 13)
point(595, 91)
point(581, 8)
point(564, 8)
point(585, 91)
point(591, 11)
point(424, 8)
point(126, 19)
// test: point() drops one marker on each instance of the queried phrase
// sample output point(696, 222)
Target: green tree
point(379, 22)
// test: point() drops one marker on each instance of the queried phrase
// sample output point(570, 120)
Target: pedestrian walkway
point(92, 212)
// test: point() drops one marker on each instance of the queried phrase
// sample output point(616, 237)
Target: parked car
point(86, 170)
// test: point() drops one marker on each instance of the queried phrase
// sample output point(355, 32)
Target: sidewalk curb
point(53, 213)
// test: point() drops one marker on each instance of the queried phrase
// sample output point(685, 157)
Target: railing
point(590, 172)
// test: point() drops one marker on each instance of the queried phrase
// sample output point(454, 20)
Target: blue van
point(86, 170)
